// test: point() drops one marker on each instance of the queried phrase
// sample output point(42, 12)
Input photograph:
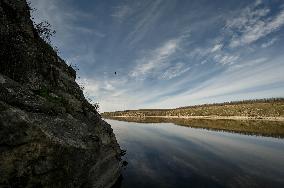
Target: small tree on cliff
point(97, 106)
point(44, 31)
point(43, 28)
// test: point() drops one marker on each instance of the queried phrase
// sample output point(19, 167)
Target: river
point(172, 156)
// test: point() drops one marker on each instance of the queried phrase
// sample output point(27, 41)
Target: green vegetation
point(45, 93)
point(251, 108)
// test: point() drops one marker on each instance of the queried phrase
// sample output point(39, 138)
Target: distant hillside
point(255, 109)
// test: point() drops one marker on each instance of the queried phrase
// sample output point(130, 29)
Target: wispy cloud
point(156, 60)
point(110, 93)
point(249, 63)
point(232, 84)
point(122, 12)
point(62, 20)
point(181, 53)
point(253, 24)
point(147, 18)
point(215, 53)
point(216, 47)
point(269, 42)
point(174, 71)
point(226, 59)
point(248, 25)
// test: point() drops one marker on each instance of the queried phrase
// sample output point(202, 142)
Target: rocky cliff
point(50, 136)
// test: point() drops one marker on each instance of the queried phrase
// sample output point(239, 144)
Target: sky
point(170, 53)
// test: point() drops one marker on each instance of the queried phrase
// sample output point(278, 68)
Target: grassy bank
point(252, 109)
point(258, 117)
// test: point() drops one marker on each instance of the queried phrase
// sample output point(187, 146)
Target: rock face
point(50, 136)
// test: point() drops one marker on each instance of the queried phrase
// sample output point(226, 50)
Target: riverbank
point(243, 126)
point(263, 117)
point(261, 109)
point(210, 117)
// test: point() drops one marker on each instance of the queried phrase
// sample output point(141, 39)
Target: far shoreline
point(214, 117)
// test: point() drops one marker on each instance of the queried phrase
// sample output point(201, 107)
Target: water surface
point(167, 155)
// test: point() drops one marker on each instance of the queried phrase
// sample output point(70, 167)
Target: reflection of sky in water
point(166, 155)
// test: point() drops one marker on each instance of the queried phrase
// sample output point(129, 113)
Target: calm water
point(167, 155)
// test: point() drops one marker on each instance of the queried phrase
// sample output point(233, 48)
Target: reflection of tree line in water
point(262, 128)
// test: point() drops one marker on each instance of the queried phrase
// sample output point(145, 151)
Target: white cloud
point(215, 53)
point(156, 60)
point(216, 47)
point(122, 12)
point(197, 83)
point(270, 42)
point(146, 18)
point(109, 86)
point(90, 86)
point(227, 59)
point(232, 84)
point(249, 63)
point(257, 2)
point(110, 93)
point(252, 25)
point(174, 71)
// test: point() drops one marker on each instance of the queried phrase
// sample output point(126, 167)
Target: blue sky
point(170, 53)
